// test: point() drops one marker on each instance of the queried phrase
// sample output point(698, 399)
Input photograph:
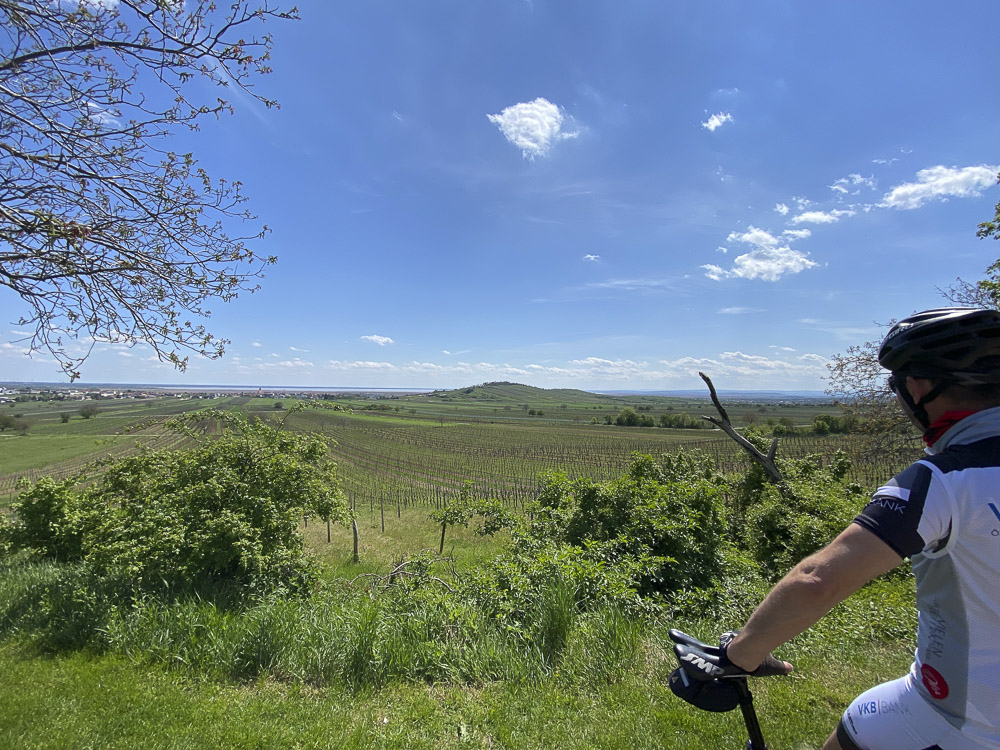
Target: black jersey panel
point(893, 514)
point(983, 454)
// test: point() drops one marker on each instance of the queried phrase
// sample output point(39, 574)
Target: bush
point(657, 529)
point(46, 521)
point(225, 513)
point(816, 504)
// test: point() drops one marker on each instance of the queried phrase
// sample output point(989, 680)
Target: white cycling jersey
point(943, 512)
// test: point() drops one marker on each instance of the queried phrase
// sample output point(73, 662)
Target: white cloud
point(532, 126)
point(797, 234)
point(754, 236)
point(296, 349)
point(8, 348)
point(856, 181)
point(615, 368)
point(782, 209)
point(745, 369)
point(335, 364)
point(633, 285)
point(802, 203)
point(739, 310)
point(717, 121)
point(769, 261)
point(714, 272)
point(941, 183)
point(820, 217)
point(295, 363)
point(256, 343)
point(380, 340)
point(766, 264)
point(591, 258)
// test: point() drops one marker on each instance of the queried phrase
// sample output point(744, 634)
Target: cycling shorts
point(894, 716)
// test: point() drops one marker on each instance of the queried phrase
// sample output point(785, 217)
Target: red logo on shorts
point(934, 682)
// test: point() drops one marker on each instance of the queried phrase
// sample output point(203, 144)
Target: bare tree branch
point(766, 461)
point(103, 235)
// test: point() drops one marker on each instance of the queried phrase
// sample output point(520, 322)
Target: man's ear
point(918, 387)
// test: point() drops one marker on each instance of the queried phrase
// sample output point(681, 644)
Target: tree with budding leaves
point(105, 234)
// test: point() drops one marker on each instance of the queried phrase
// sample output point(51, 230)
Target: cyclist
point(943, 512)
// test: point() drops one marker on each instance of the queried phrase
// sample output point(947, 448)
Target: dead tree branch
point(400, 572)
point(766, 461)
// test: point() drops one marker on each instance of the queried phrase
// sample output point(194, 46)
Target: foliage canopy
point(224, 512)
point(104, 234)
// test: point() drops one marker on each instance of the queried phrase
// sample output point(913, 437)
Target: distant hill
point(503, 391)
point(507, 392)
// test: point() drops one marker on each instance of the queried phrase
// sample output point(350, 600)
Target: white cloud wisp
point(534, 127)
point(716, 121)
point(768, 261)
point(941, 183)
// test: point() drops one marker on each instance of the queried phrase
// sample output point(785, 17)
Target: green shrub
point(664, 522)
point(223, 514)
point(817, 503)
point(45, 521)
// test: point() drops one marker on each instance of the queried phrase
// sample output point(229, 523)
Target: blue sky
point(594, 194)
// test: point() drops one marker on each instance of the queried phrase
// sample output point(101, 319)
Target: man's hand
point(769, 666)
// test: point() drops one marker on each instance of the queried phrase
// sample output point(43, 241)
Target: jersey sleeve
point(909, 513)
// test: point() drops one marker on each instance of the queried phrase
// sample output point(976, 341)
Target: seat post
point(756, 741)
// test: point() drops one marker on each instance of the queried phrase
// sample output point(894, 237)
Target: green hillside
point(506, 392)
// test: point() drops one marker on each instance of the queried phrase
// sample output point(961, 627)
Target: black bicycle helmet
point(958, 343)
point(952, 345)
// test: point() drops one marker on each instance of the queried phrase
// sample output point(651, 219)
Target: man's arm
point(810, 590)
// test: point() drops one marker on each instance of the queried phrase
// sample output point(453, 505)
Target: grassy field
point(78, 701)
point(419, 450)
point(399, 461)
point(61, 442)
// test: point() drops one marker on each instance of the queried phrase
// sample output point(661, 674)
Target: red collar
point(942, 424)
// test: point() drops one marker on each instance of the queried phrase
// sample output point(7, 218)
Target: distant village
point(24, 392)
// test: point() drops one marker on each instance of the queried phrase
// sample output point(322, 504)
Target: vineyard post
point(381, 509)
point(354, 528)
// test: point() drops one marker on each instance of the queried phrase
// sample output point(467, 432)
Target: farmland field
point(292, 670)
point(419, 450)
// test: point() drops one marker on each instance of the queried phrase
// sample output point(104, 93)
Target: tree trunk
point(443, 527)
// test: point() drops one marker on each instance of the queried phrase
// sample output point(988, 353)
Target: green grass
point(405, 536)
point(84, 701)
